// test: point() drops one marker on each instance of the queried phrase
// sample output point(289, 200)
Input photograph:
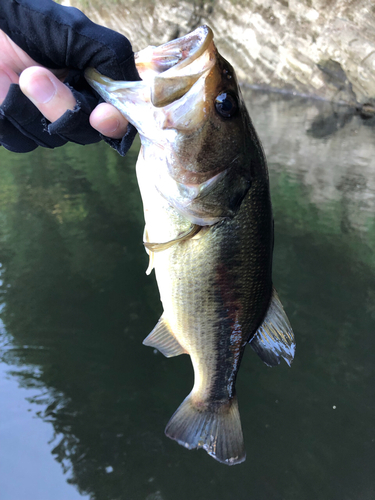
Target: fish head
point(197, 137)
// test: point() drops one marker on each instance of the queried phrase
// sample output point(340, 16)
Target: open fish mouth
point(173, 68)
point(188, 105)
point(169, 72)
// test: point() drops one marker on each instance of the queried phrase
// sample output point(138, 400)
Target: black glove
point(61, 37)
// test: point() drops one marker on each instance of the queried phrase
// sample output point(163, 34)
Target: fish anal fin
point(274, 338)
point(215, 428)
point(163, 340)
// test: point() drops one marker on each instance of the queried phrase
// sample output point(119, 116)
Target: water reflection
point(77, 305)
point(335, 172)
point(326, 124)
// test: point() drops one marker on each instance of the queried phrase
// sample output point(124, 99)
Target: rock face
point(322, 48)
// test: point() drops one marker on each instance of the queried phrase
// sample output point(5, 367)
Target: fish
point(203, 179)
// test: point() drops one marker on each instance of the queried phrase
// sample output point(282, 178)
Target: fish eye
point(226, 105)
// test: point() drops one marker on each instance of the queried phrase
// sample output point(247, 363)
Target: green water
point(83, 404)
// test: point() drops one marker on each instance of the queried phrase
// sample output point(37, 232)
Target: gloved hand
point(66, 42)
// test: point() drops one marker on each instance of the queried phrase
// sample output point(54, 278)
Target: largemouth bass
point(208, 229)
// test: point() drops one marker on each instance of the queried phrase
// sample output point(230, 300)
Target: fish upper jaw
point(173, 68)
point(179, 52)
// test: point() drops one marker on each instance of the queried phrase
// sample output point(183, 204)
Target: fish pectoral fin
point(216, 429)
point(274, 338)
point(163, 340)
point(186, 235)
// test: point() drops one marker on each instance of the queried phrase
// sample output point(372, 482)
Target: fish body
point(208, 229)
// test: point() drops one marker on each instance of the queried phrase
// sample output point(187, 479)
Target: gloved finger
point(122, 145)
point(12, 140)
point(46, 92)
point(108, 120)
point(53, 99)
point(74, 124)
point(21, 124)
point(22, 128)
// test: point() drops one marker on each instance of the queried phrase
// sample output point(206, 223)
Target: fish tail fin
point(215, 428)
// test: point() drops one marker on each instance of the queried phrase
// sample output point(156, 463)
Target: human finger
point(108, 120)
point(7, 77)
point(46, 92)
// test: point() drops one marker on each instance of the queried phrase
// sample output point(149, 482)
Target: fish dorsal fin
point(163, 340)
point(274, 338)
point(185, 235)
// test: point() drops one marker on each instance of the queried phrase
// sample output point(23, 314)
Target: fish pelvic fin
point(216, 428)
point(274, 338)
point(163, 340)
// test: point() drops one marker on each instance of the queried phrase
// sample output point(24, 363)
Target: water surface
point(84, 405)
